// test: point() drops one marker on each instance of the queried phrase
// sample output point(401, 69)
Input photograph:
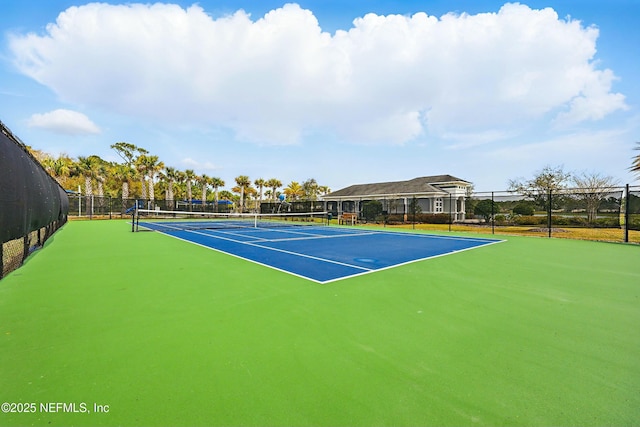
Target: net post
point(135, 218)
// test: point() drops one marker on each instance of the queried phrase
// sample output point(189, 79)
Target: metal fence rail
point(611, 214)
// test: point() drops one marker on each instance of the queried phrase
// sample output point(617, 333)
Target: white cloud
point(190, 163)
point(65, 122)
point(388, 79)
point(594, 102)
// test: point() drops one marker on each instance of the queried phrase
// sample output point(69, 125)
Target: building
point(432, 194)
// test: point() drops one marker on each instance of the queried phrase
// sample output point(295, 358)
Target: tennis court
point(303, 247)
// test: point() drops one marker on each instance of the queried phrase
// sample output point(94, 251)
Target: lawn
point(157, 331)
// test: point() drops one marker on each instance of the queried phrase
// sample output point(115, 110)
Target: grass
point(528, 332)
point(563, 232)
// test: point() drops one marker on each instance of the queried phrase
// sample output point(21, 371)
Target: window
point(439, 205)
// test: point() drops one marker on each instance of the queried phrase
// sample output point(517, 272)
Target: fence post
point(626, 214)
point(549, 213)
point(493, 216)
point(413, 213)
point(450, 208)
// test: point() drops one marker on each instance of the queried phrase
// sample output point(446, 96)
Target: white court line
point(411, 262)
point(363, 232)
point(315, 237)
point(281, 250)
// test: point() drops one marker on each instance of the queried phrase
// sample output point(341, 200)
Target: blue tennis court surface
point(325, 254)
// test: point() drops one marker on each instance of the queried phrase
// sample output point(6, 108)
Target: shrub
point(530, 220)
point(431, 218)
point(559, 220)
point(395, 218)
point(500, 220)
point(607, 222)
point(578, 221)
point(523, 209)
point(371, 209)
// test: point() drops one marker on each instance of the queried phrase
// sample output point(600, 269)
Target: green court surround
point(529, 332)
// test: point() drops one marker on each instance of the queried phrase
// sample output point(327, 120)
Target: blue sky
point(344, 92)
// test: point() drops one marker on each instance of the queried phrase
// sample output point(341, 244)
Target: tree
point(485, 208)
point(260, 183)
point(87, 168)
point(216, 183)
point(243, 183)
point(123, 173)
point(537, 188)
point(635, 166)
point(127, 151)
point(324, 190)
point(310, 190)
point(140, 166)
point(100, 171)
point(523, 208)
point(293, 191)
point(60, 168)
point(274, 184)
point(204, 181)
point(149, 166)
point(189, 176)
point(133, 157)
point(592, 189)
point(171, 175)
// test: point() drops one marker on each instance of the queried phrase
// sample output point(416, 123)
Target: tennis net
point(165, 221)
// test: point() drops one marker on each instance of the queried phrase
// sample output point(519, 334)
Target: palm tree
point(189, 176)
point(204, 181)
point(60, 168)
point(244, 183)
point(123, 173)
point(179, 188)
point(635, 166)
point(216, 183)
point(324, 190)
point(87, 167)
point(260, 183)
point(141, 168)
point(100, 170)
point(293, 191)
point(274, 184)
point(153, 166)
point(170, 175)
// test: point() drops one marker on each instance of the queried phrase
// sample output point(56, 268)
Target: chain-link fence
point(609, 214)
point(292, 207)
point(97, 207)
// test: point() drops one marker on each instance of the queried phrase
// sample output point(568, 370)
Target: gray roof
point(425, 184)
